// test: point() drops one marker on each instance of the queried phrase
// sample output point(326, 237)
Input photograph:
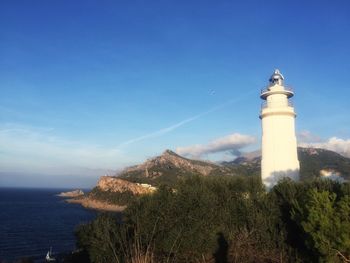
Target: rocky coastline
point(90, 203)
point(87, 201)
point(74, 193)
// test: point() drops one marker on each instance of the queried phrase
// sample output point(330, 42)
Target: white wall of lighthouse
point(279, 144)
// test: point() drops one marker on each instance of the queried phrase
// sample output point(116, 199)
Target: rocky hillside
point(145, 178)
point(169, 167)
point(111, 191)
point(115, 184)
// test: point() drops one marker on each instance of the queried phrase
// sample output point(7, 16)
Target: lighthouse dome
point(276, 86)
point(276, 78)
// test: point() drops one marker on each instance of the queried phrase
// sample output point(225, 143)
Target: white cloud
point(38, 150)
point(335, 144)
point(308, 139)
point(233, 143)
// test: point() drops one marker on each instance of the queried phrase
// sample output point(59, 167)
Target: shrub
point(325, 222)
point(119, 198)
point(227, 219)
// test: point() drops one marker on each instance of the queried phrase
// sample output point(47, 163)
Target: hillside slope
point(314, 162)
point(169, 167)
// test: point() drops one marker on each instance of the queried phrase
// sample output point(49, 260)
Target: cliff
point(115, 184)
point(91, 203)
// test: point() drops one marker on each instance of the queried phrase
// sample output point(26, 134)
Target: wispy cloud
point(232, 143)
point(159, 132)
point(37, 149)
point(308, 137)
point(175, 126)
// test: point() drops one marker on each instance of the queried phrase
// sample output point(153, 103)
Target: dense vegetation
point(169, 175)
point(314, 160)
point(120, 198)
point(227, 219)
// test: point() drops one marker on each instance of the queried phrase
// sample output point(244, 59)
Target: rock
point(90, 203)
point(168, 161)
point(115, 184)
point(74, 193)
point(112, 185)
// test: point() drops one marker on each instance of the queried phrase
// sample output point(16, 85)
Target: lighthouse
point(279, 144)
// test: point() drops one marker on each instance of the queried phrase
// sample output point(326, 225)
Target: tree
point(100, 239)
point(325, 221)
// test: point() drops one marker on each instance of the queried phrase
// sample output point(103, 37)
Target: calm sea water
point(33, 220)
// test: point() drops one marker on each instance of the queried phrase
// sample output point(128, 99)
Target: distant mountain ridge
point(169, 166)
point(250, 157)
point(170, 158)
point(314, 162)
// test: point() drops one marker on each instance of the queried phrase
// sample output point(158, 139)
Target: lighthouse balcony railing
point(266, 104)
point(267, 89)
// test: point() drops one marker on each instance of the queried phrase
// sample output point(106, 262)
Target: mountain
point(245, 158)
point(169, 166)
point(314, 162)
point(114, 192)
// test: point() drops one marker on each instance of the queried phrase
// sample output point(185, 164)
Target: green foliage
point(199, 216)
point(326, 224)
point(119, 198)
point(100, 239)
point(167, 175)
point(187, 221)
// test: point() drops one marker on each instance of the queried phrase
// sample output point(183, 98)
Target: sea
point(33, 220)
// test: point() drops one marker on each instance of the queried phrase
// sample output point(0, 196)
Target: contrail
point(183, 122)
point(160, 132)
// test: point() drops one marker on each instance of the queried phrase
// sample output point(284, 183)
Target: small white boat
point(49, 257)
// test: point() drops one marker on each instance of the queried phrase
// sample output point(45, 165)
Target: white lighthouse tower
point(279, 144)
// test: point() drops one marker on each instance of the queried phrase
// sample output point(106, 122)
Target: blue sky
point(90, 86)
